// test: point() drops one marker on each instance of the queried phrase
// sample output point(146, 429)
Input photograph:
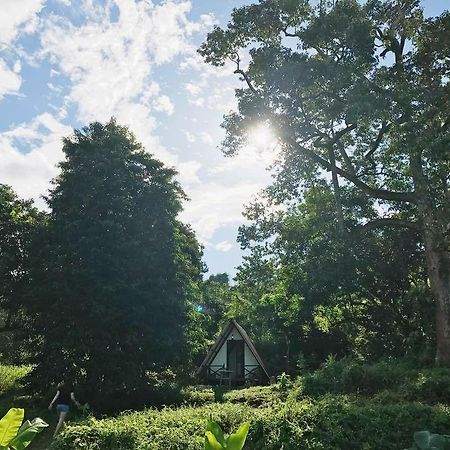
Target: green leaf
point(422, 439)
point(27, 433)
point(215, 429)
point(236, 440)
point(211, 442)
point(10, 424)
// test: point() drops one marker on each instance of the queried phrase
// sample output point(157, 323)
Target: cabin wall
point(221, 357)
point(249, 360)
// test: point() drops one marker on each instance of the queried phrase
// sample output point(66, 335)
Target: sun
point(261, 137)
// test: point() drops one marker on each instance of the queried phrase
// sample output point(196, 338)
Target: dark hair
point(64, 384)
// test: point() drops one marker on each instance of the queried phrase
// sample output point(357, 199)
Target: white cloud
point(10, 81)
point(110, 63)
point(188, 173)
point(164, 104)
point(190, 137)
point(193, 89)
point(17, 16)
point(224, 246)
point(214, 205)
point(30, 173)
point(206, 138)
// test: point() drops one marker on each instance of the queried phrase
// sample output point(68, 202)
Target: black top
point(64, 395)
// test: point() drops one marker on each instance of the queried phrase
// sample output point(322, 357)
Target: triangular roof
point(221, 340)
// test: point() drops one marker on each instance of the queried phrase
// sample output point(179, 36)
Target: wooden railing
point(220, 374)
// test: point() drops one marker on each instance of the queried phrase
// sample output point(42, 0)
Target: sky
point(66, 63)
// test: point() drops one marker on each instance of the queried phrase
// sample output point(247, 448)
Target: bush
point(197, 395)
point(11, 376)
point(348, 376)
point(430, 386)
point(330, 422)
point(253, 396)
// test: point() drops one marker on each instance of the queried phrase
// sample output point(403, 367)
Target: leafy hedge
point(329, 422)
point(11, 376)
point(394, 380)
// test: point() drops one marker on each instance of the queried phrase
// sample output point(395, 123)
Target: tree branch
point(383, 130)
point(244, 75)
point(391, 222)
point(381, 194)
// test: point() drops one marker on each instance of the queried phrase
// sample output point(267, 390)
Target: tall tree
point(360, 91)
point(118, 270)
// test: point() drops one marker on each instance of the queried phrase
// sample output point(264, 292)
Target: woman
point(64, 396)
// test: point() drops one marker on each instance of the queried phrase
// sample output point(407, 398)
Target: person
point(63, 398)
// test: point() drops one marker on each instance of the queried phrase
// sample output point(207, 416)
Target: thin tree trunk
point(336, 191)
point(288, 353)
point(437, 260)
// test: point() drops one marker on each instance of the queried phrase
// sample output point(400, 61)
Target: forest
point(344, 286)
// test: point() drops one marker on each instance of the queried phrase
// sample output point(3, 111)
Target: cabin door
point(235, 359)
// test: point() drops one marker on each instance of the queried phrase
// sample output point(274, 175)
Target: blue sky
point(65, 63)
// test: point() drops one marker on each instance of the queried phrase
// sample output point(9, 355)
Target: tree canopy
point(359, 94)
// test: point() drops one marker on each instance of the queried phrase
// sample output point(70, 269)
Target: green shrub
point(11, 376)
point(197, 396)
point(253, 396)
point(348, 376)
point(329, 422)
point(430, 386)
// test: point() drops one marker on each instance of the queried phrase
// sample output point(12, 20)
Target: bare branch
point(239, 71)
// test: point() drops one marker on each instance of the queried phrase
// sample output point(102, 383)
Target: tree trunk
point(336, 191)
point(288, 354)
point(437, 260)
point(438, 264)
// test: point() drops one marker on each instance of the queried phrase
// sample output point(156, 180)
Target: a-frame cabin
point(233, 360)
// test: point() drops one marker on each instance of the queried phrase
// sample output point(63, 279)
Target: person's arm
point(72, 396)
point(54, 400)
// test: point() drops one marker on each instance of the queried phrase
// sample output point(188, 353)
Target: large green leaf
point(422, 439)
point(27, 433)
point(439, 442)
point(211, 442)
point(236, 440)
point(9, 425)
point(215, 429)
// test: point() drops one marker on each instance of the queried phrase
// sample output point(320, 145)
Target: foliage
point(114, 272)
point(387, 380)
point(216, 440)
point(254, 396)
point(11, 377)
point(17, 435)
point(327, 293)
point(424, 440)
point(19, 220)
point(209, 316)
point(331, 421)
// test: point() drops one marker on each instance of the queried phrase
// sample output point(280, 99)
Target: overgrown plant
point(424, 440)
point(17, 435)
point(215, 438)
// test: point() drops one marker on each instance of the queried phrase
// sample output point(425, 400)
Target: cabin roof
point(222, 339)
